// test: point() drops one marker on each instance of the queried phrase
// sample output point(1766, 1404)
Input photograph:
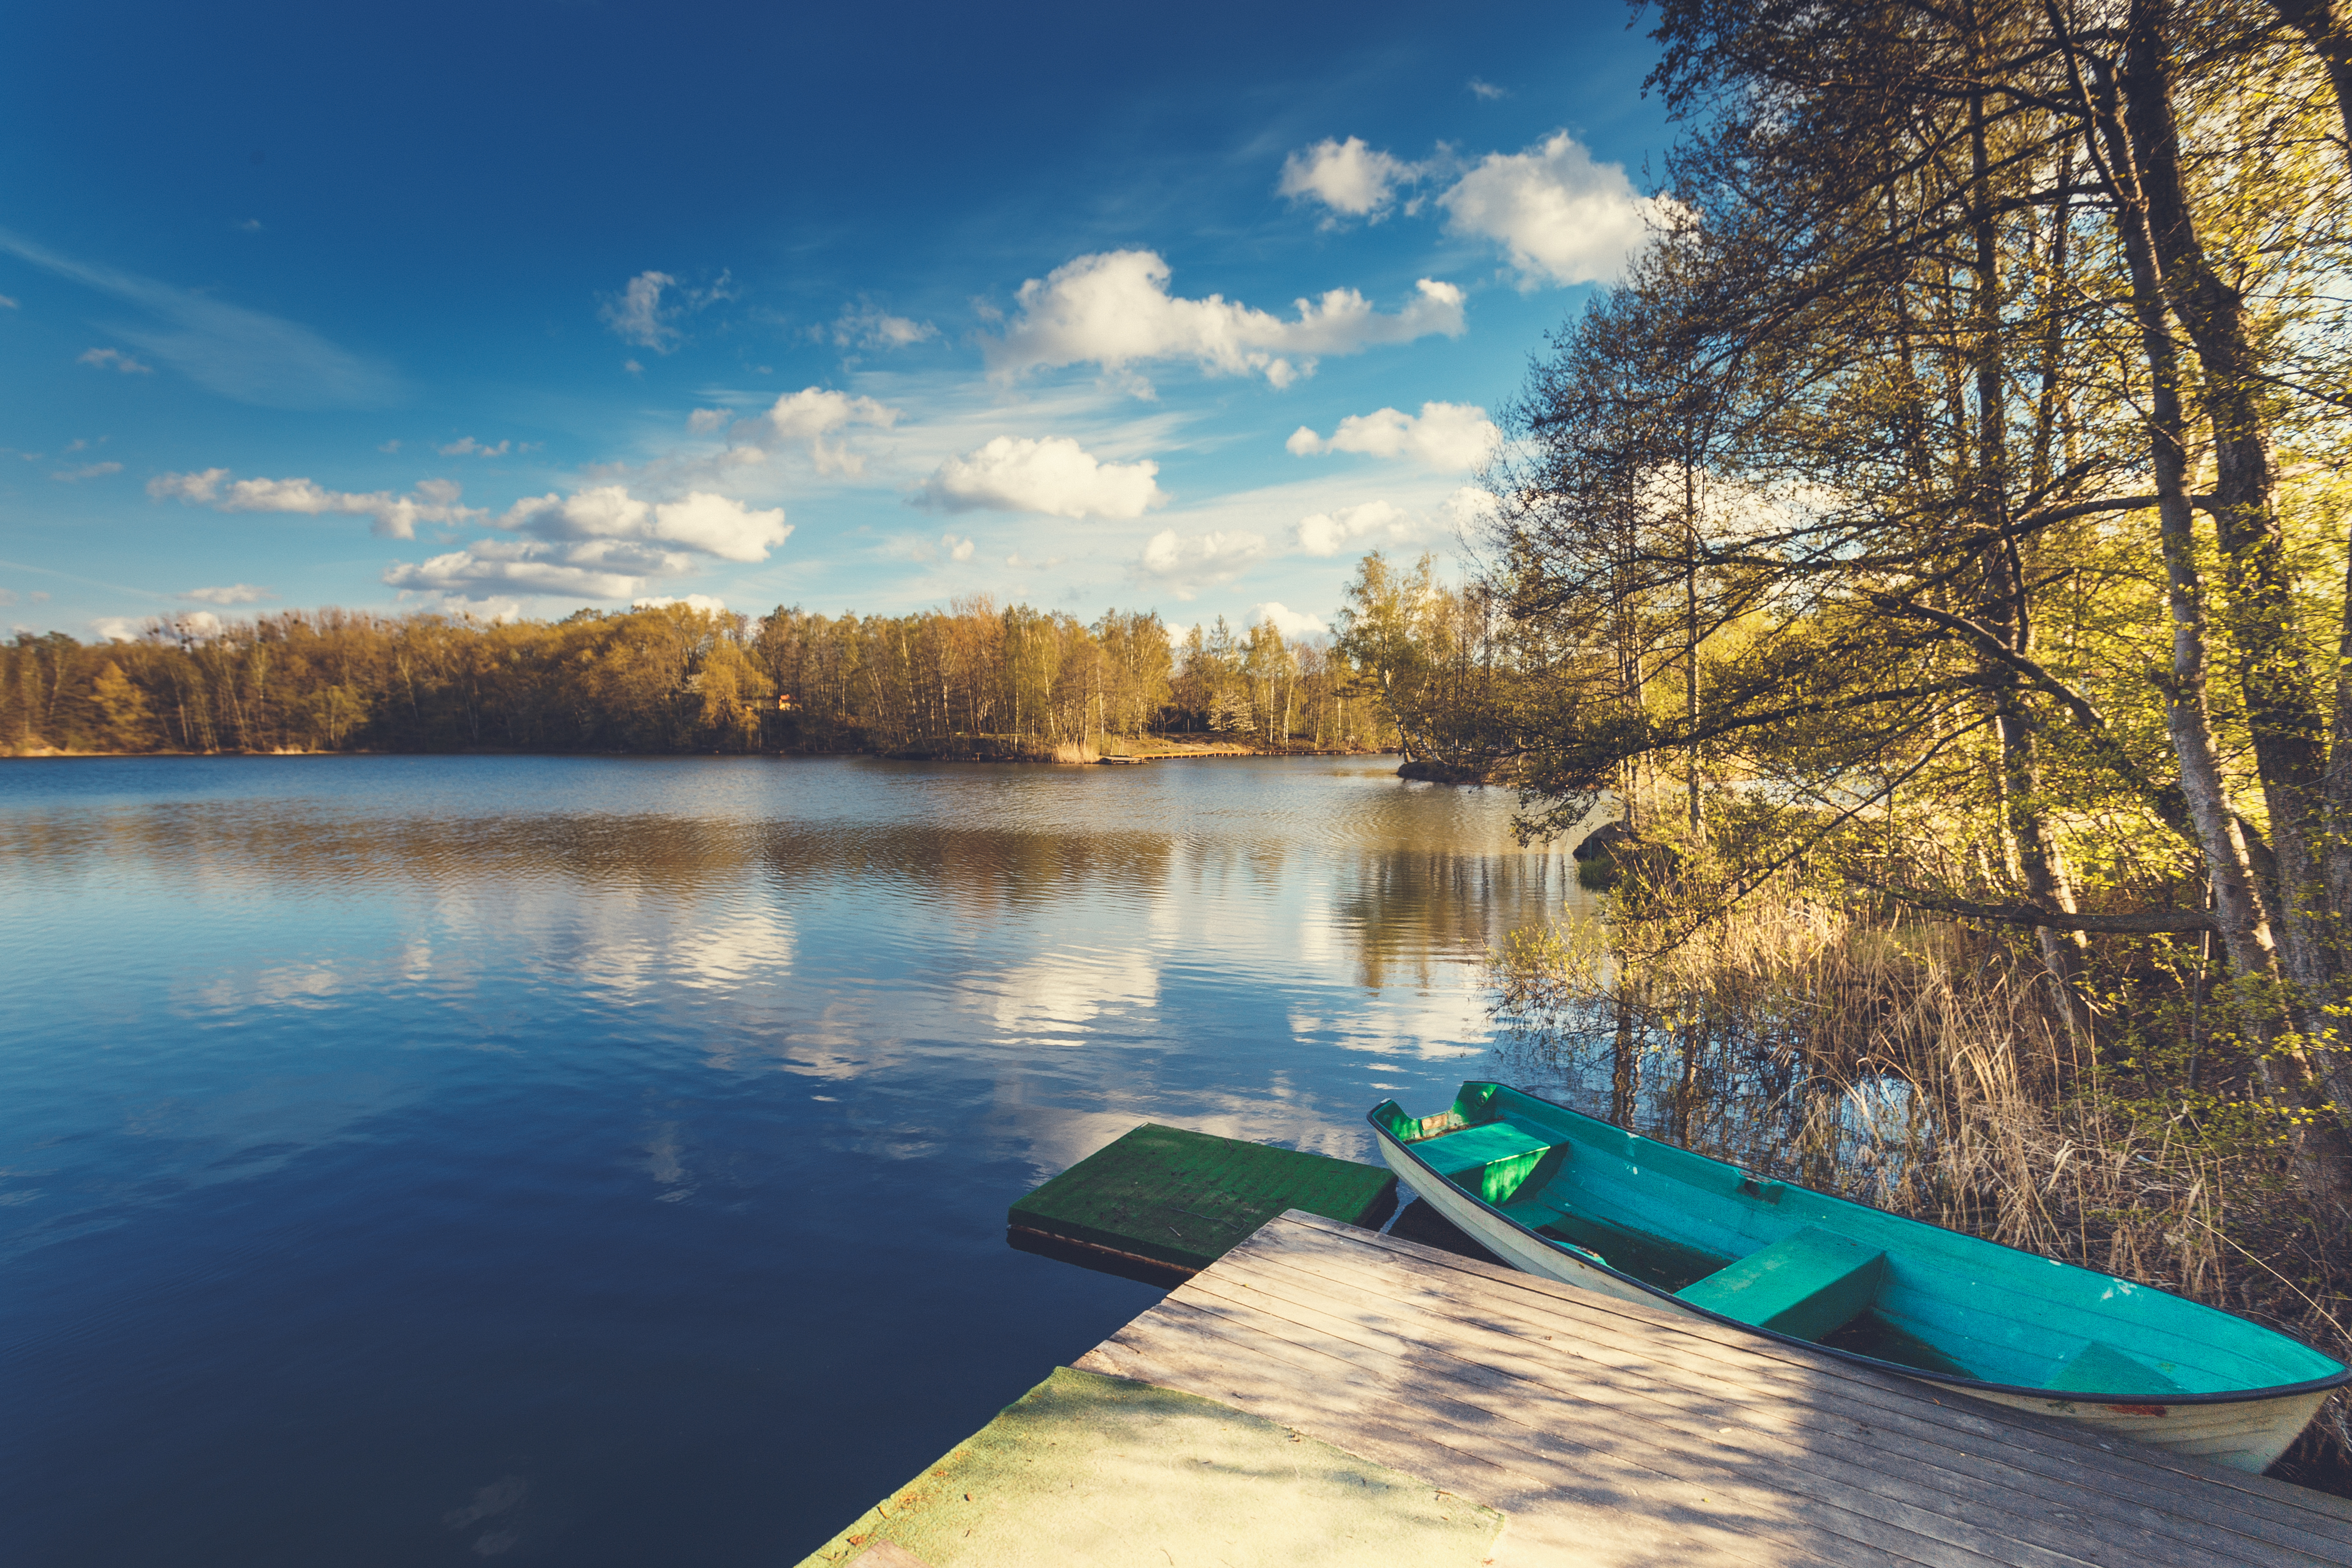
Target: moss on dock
point(1103, 1472)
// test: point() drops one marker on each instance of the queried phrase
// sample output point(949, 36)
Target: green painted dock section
point(1090, 1471)
point(1183, 1199)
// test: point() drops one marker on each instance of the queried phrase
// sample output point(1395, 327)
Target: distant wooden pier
point(1607, 1432)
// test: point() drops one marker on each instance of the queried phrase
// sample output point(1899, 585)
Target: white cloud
point(233, 594)
point(813, 413)
point(1290, 623)
point(227, 349)
point(597, 569)
point(957, 549)
point(705, 421)
point(817, 410)
point(113, 358)
point(1349, 177)
point(395, 517)
point(468, 446)
point(713, 524)
point(1054, 476)
point(702, 602)
point(1327, 533)
point(1114, 310)
point(391, 446)
point(1185, 562)
point(117, 628)
point(637, 316)
point(87, 471)
point(9, 304)
point(1560, 217)
point(483, 608)
point(188, 626)
point(1443, 436)
point(601, 542)
point(1486, 90)
point(1470, 510)
point(640, 315)
point(871, 327)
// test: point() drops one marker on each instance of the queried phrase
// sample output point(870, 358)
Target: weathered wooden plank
point(2146, 1477)
point(1872, 1508)
point(1400, 1263)
point(1587, 1450)
point(1616, 1433)
point(889, 1554)
point(1619, 1515)
point(1791, 1423)
point(1566, 1530)
point(1946, 1497)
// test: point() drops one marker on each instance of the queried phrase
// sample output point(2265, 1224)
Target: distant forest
point(973, 681)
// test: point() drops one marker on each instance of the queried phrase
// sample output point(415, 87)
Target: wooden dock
point(1615, 1434)
point(1174, 1201)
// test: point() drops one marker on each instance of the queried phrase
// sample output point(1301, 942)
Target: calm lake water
point(426, 1160)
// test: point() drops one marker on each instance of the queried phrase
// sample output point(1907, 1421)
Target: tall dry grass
point(1926, 1067)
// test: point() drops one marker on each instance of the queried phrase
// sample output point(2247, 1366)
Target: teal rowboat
point(1578, 1200)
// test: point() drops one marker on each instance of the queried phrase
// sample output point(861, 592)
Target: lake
point(413, 1159)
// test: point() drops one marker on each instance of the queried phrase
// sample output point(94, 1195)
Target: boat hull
point(2241, 1433)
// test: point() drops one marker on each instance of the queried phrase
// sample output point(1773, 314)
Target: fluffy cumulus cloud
point(1451, 435)
point(1559, 217)
point(1055, 477)
point(601, 542)
point(1290, 623)
point(392, 516)
point(703, 602)
point(1329, 532)
point(1114, 310)
point(233, 594)
point(467, 446)
point(1347, 178)
point(712, 524)
point(813, 413)
point(1183, 562)
point(598, 568)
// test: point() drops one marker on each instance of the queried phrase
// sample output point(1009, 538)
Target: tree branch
point(2036, 915)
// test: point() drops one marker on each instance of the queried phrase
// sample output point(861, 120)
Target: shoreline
point(1171, 753)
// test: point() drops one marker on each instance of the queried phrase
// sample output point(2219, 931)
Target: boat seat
point(1491, 1160)
point(2100, 1368)
point(1807, 1285)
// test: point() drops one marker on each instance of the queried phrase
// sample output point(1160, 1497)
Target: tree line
point(972, 680)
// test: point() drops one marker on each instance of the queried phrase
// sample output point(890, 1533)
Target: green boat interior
point(1841, 1274)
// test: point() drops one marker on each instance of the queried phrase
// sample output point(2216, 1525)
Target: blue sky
point(521, 307)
